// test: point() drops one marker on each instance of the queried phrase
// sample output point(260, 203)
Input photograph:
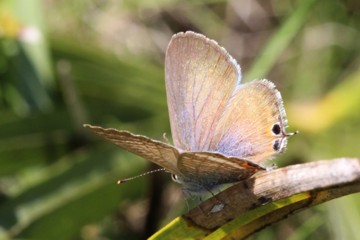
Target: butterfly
point(223, 130)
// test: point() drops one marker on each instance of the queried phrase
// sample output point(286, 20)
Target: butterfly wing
point(211, 111)
point(200, 78)
point(159, 153)
point(210, 169)
point(253, 123)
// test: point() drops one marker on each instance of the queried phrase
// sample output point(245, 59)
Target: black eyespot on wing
point(276, 145)
point(276, 129)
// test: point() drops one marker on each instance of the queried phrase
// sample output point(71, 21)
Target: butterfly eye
point(276, 145)
point(175, 178)
point(276, 129)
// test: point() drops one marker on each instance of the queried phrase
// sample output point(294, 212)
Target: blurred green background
point(65, 63)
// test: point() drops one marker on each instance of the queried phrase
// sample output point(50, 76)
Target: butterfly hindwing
point(253, 123)
point(209, 169)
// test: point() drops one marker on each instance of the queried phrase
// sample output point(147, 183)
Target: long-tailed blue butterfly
point(223, 131)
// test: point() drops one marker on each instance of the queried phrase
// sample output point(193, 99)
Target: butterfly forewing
point(245, 129)
point(159, 153)
point(200, 78)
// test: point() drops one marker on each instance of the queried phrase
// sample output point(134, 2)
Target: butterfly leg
point(201, 210)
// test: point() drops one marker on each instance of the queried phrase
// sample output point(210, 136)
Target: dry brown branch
point(283, 191)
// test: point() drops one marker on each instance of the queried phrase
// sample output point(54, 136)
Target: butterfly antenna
point(141, 175)
point(291, 134)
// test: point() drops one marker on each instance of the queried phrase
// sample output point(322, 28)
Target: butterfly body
point(223, 131)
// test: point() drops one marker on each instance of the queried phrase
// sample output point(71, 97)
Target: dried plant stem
point(267, 198)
